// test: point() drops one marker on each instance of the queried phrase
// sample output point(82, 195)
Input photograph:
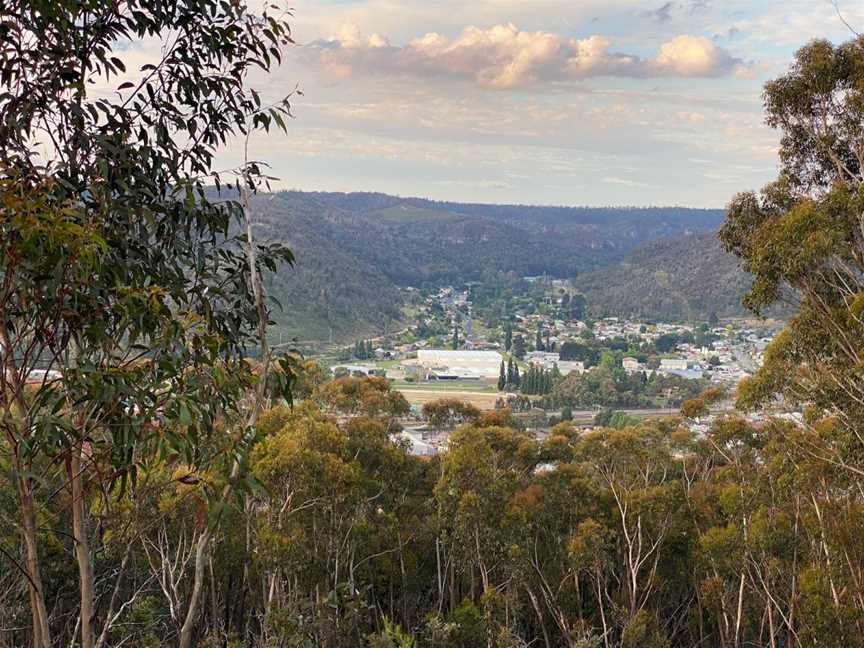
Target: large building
point(441, 364)
point(673, 364)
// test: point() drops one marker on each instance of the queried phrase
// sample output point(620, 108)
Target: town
point(547, 360)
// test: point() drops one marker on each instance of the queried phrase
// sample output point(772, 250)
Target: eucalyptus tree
point(802, 240)
point(122, 277)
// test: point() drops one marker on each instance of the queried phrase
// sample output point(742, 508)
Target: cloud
point(662, 13)
point(505, 57)
point(693, 56)
point(624, 182)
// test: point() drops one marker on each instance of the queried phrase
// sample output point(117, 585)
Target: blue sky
point(582, 102)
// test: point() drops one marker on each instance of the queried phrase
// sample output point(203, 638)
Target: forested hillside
point(353, 250)
point(686, 277)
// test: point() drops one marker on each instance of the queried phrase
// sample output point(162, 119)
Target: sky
point(577, 102)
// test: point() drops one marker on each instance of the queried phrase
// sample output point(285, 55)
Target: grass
point(387, 364)
point(447, 386)
point(479, 393)
point(484, 401)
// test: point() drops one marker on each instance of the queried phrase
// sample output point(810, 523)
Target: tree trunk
point(39, 612)
point(15, 408)
point(536, 605)
point(82, 547)
point(600, 593)
point(192, 610)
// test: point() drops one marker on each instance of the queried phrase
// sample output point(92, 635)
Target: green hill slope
point(682, 278)
point(354, 251)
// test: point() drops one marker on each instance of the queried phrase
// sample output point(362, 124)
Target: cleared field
point(483, 400)
point(474, 386)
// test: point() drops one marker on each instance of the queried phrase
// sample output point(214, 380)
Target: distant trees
point(367, 396)
point(518, 347)
point(589, 354)
point(611, 418)
point(502, 377)
point(610, 386)
point(364, 350)
point(448, 412)
point(669, 341)
point(700, 405)
point(573, 306)
point(537, 381)
point(513, 378)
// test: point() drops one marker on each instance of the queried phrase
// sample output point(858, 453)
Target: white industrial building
point(673, 364)
point(442, 364)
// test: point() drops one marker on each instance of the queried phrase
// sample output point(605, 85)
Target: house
point(673, 364)
point(543, 358)
point(630, 364)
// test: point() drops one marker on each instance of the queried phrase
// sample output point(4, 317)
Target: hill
point(355, 250)
point(682, 278)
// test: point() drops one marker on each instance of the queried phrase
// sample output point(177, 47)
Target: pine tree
point(455, 336)
point(511, 380)
point(519, 347)
point(502, 378)
point(538, 342)
point(517, 380)
point(508, 337)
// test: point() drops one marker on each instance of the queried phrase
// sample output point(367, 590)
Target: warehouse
point(439, 364)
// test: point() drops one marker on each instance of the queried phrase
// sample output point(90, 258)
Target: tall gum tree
point(122, 277)
point(802, 238)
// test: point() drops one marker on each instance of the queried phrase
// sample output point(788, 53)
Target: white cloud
point(692, 56)
point(625, 182)
point(505, 57)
